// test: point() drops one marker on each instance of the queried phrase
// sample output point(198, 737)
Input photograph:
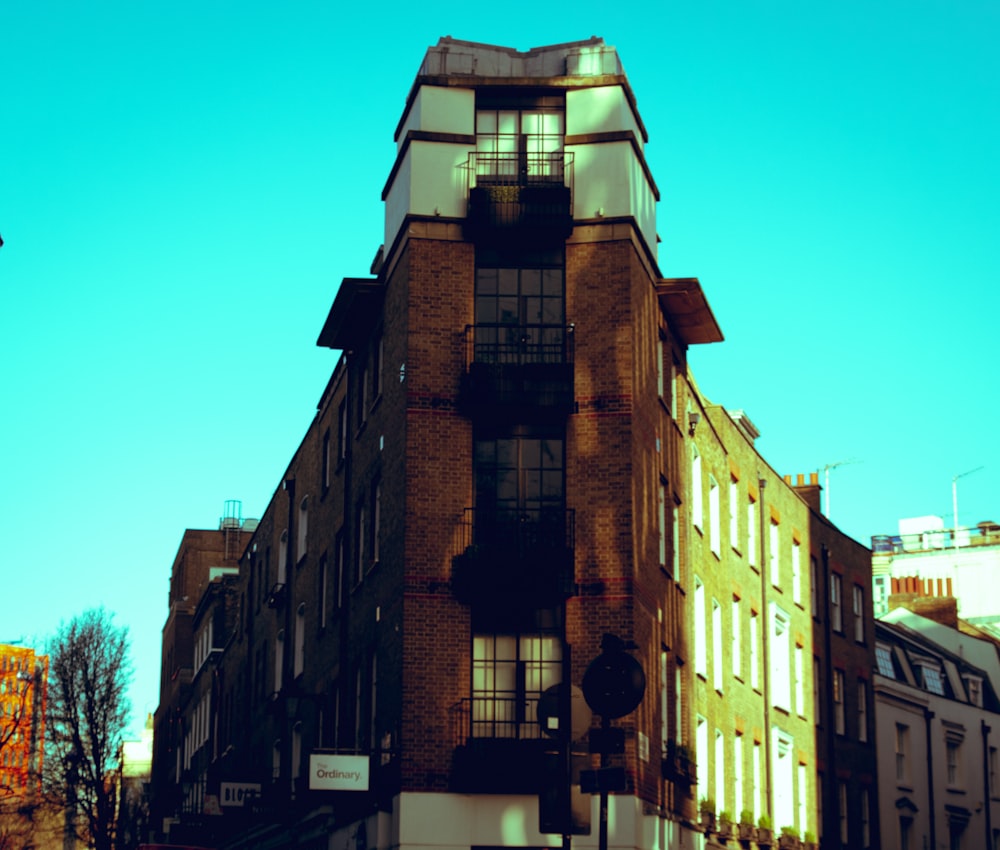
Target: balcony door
point(520, 307)
point(520, 146)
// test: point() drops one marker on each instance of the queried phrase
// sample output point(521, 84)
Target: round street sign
point(614, 684)
point(548, 712)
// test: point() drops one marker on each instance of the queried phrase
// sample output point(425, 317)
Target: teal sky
point(183, 186)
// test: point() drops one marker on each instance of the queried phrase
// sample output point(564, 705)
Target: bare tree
point(89, 674)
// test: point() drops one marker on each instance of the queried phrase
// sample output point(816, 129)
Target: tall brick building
point(498, 475)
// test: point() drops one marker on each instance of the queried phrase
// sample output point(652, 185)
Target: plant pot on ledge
point(765, 836)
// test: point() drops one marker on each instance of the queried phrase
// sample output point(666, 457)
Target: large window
point(519, 480)
point(520, 307)
point(509, 674)
point(520, 143)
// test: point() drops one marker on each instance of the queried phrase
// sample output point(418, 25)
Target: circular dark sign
point(614, 684)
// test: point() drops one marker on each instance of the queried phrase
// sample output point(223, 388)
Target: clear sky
point(183, 186)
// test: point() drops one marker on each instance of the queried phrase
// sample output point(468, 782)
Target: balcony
point(514, 369)
point(523, 195)
point(499, 748)
point(515, 559)
point(677, 766)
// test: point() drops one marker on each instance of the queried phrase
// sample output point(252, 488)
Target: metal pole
point(602, 829)
point(954, 503)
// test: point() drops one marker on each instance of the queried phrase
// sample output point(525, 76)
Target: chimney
point(809, 493)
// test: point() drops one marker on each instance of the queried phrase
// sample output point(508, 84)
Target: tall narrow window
point(783, 776)
point(814, 585)
point(859, 614)
point(720, 770)
point(902, 752)
point(866, 819)
point(659, 367)
point(737, 640)
point(800, 674)
point(817, 702)
point(664, 704)
point(673, 387)
point(675, 555)
point(360, 537)
point(754, 656)
point(836, 613)
point(700, 630)
point(862, 710)
point(302, 532)
point(299, 655)
point(734, 522)
point(327, 453)
point(279, 661)
point(758, 781)
point(661, 515)
point(377, 354)
point(738, 803)
point(838, 701)
point(802, 797)
point(340, 568)
point(324, 589)
point(296, 766)
point(283, 557)
point(781, 657)
point(377, 522)
point(796, 572)
point(702, 756)
point(752, 532)
point(696, 493)
point(842, 807)
point(952, 755)
point(343, 433)
point(775, 554)
point(718, 657)
point(714, 518)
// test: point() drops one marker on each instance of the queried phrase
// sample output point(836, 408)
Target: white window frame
point(714, 517)
point(697, 508)
point(737, 649)
point(700, 629)
point(719, 659)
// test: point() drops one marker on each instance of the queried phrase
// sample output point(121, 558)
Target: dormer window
point(974, 688)
point(930, 675)
point(883, 657)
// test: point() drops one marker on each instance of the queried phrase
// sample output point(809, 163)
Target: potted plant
point(789, 838)
point(810, 840)
point(725, 824)
point(707, 809)
point(747, 831)
point(765, 834)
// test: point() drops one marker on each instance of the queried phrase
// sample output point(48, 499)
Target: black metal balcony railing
point(508, 718)
point(525, 195)
point(520, 168)
point(500, 344)
point(515, 557)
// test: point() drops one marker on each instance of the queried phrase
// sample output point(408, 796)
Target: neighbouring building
point(509, 475)
point(24, 679)
point(938, 732)
point(927, 559)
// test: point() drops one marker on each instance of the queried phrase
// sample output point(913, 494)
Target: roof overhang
point(686, 308)
point(354, 311)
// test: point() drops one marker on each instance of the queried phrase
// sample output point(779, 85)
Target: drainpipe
point(928, 717)
point(986, 783)
point(831, 803)
point(761, 483)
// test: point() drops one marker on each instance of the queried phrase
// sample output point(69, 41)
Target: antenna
point(954, 503)
point(826, 481)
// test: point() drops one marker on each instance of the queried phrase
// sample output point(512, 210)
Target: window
point(299, 656)
point(993, 765)
point(800, 675)
point(883, 657)
point(372, 700)
point(673, 387)
point(714, 531)
point(276, 760)
point(360, 536)
point(842, 800)
point(661, 515)
point(377, 354)
point(342, 432)
point(752, 532)
point(758, 784)
point(775, 554)
point(953, 758)
point(737, 773)
point(701, 756)
point(862, 710)
point(796, 572)
point(664, 704)
point(902, 752)
point(734, 522)
point(659, 367)
point(717, 659)
point(326, 461)
point(814, 585)
point(520, 307)
point(754, 658)
point(283, 557)
point(720, 770)
point(363, 395)
point(783, 772)
point(520, 143)
point(700, 630)
point(376, 522)
point(737, 640)
point(509, 674)
point(974, 687)
point(866, 819)
point(906, 833)
point(696, 496)
point(838, 701)
point(303, 530)
point(279, 660)
point(781, 658)
point(858, 606)
point(836, 615)
point(932, 678)
point(340, 568)
point(519, 486)
point(324, 589)
point(803, 808)
point(675, 555)
point(817, 713)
